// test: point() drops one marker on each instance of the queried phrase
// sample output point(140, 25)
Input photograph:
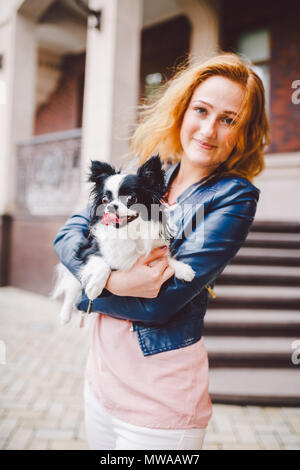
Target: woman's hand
point(142, 280)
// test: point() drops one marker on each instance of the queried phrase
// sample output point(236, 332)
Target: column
point(204, 16)
point(111, 82)
point(17, 109)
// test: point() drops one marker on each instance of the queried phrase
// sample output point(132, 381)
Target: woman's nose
point(209, 128)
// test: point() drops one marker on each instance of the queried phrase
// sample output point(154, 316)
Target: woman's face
point(206, 134)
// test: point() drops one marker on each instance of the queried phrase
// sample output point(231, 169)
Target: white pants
point(105, 432)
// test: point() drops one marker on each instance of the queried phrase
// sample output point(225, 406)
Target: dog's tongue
point(110, 219)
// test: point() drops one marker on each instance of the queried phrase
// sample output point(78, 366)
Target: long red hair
point(159, 128)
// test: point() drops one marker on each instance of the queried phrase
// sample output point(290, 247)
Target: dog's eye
point(105, 200)
point(131, 200)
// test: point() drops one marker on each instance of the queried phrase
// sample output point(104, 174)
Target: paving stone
point(20, 439)
point(56, 409)
point(38, 444)
point(291, 447)
point(41, 423)
point(46, 364)
point(70, 419)
point(290, 411)
point(211, 447)
point(54, 434)
point(241, 447)
point(2, 443)
point(25, 414)
point(223, 424)
point(269, 441)
point(245, 434)
point(295, 425)
point(68, 445)
point(221, 438)
point(7, 426)
point(288, 439)
point(81, 432)
point(41, 404)
point(272, 427)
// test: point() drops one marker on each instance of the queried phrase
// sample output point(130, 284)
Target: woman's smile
point(204, 145)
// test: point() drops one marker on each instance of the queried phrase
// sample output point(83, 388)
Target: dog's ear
point(152, 174)
point(99, 171)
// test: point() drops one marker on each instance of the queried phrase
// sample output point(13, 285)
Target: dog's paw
point(94, 276)
point(94, 289)
point(64, 320)
point(65, 315)
point(186, 273)
point(182, 271)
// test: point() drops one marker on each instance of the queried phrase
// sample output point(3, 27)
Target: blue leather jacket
point(174, 319)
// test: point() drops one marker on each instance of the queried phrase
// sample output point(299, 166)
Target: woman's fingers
point(168, 272)
point(160, 266)
point(155, 254)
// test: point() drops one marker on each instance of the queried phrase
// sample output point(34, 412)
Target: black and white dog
point(128, 220)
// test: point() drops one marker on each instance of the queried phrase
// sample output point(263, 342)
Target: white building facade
point(43, 173)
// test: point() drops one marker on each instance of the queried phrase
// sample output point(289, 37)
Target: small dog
point(127, 221)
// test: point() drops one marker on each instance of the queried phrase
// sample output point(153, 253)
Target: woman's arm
point(142, 280)
point(68, 239)
point(225, 227)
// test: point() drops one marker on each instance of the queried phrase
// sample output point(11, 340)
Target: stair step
point(250, 386)
point(245, 322)
point(275, 226)
point(245, 351)
point(250, 327)
point(273, 240)
point(257, 291)
point(260, 275)
point(267, 256)
point(256, 297)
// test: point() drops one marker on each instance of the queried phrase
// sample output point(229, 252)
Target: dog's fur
point(133, 229)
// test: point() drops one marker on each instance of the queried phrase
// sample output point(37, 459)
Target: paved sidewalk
point(41, 387)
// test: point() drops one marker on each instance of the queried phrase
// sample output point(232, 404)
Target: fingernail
point(164, 247)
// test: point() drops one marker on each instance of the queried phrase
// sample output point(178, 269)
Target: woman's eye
point(105, 200)
point(228, 121)
point(200, 110)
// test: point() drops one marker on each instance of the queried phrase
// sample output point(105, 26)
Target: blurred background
point(72, 73)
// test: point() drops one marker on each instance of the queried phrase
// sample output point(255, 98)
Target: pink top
point(164, 390)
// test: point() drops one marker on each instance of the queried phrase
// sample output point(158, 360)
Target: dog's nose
point(112, 207)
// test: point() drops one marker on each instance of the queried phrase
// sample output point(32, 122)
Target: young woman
point(147, 371)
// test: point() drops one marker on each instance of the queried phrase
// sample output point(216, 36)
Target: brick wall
point(285, 68)
point(282, 19)
point(63, 110)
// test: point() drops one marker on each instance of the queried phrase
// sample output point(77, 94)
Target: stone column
point(204, 17)
point(111, 82)
point(17, 110)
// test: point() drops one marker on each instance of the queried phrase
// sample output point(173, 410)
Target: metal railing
point(48, 173)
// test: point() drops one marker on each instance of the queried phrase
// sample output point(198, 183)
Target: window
point(152, 83)
point(255, 45)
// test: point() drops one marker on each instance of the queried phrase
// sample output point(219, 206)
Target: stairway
point(253, 324)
